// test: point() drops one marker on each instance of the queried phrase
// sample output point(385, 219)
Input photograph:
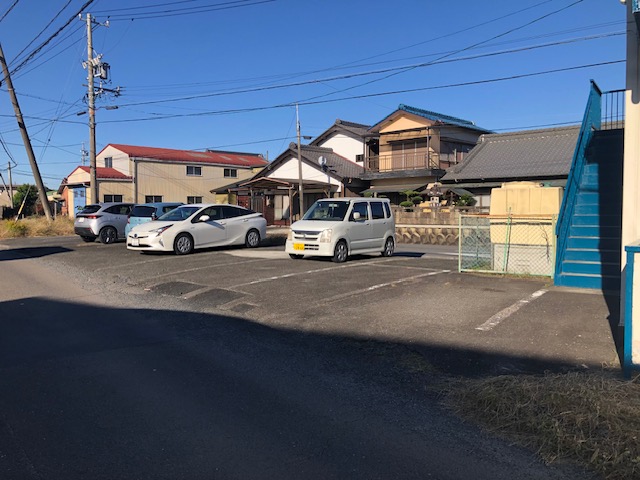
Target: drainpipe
point(135, 180)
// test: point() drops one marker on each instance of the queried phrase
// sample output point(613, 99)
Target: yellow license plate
point(298, 246)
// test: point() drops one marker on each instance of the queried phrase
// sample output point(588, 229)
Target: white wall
point(345, 146)
point(288, 170)
point(120, 160)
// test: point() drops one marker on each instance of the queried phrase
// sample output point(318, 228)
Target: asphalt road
point(234, 363)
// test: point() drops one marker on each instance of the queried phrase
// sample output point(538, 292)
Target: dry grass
point(36, 227)
point(591, 418)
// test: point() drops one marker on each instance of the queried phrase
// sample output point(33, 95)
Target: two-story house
point(147, 174)
point(411, 148)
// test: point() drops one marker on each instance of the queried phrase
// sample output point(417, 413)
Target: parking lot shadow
point(99, 392)
point(30, 252)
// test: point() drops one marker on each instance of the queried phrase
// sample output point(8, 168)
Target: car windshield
point(327, 210)
point(180, 213)
point(90, 209)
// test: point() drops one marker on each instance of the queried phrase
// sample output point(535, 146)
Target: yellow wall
point(170, 180)
point(516, 200)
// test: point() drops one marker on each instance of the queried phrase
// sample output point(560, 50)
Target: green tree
point(466, 200)
point(30, 192)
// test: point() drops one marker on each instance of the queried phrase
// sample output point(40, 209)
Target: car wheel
point(108, 235)
point(341, 252)
point(296, 256)
point(183, 244)
point(388, 248)
point(88, 239)
point(253, 239)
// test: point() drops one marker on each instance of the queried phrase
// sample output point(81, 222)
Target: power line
point(9, 10)
point(48, 40)
point(531, 22)
point(42, 31)
point(361, 74)
point(370, 95)
point(189, 10)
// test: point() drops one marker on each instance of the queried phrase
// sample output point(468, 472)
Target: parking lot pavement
point(462, 323)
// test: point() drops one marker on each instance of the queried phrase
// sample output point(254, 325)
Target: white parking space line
point(507, 312)
point(208, 266)
point(306, 272)
point(379, 285)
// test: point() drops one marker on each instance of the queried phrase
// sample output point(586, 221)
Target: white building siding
point(119, 160)
point(345, 146)
point(288, 170)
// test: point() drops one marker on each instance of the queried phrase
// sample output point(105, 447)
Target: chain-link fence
point(519, 245)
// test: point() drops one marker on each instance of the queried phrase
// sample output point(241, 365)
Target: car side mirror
point(154, 216)
point(204, 218)
point(356, 216)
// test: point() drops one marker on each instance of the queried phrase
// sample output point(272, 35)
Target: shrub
point(416, 200)
point(15, 228)
point(406, 204)
point(466, 200)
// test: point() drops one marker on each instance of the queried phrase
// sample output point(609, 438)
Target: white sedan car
point(199, 226)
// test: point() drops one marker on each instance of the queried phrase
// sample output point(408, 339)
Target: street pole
point(91, 100)
point(300, 189)
point(42, 194)
point(10, 184)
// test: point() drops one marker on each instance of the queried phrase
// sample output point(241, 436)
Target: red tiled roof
point(192, 156)
point(104, 173)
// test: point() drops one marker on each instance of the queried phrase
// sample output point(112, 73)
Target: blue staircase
point(590, 223)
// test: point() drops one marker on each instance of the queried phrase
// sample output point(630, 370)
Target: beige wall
point(120, 160)
point(170, 180)
point(5, 201)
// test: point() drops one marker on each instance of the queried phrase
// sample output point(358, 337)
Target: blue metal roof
point(437, 117)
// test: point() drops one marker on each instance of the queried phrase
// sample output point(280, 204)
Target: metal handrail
point(591, 121)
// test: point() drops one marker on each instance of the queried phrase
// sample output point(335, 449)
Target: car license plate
point(298, 246)
point(81, 220)
point(135, 242)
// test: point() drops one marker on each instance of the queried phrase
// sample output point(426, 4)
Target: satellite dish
point(322, 161)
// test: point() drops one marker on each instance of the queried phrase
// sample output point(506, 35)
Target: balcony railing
point(411, 161)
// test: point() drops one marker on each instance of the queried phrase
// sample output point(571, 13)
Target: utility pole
point(25, 138)
point(300, 189)
point(91, 101)
point(95, 68)
point(10, 184)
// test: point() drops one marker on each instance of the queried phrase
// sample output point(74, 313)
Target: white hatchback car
point(199, 226)
point(339, 227)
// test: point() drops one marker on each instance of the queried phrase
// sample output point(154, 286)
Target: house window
point(194, 171)
point(194, 199)
point(152, 198)
point(231, 173)
point(112, 198)
point(108, 162)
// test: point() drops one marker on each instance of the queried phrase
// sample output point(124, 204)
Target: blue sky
point(226, 74)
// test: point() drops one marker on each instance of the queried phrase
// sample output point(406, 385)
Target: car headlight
point(160, 231)
point(325, 236)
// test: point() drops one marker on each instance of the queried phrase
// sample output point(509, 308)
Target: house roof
point(350, 129)
point(433, 116)
point(106, 173)
point(529, 154)
point(191, 156)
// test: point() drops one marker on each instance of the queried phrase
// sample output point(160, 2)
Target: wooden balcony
point(409, 161)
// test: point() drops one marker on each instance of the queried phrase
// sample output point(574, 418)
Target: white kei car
point(199, 226)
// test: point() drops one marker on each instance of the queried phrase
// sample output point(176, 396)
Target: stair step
point(587, 220)
point(592, 255)
point(593, 197)
point(590, 268)
point(599, 282)
point(602, 231)
point(595, 243)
